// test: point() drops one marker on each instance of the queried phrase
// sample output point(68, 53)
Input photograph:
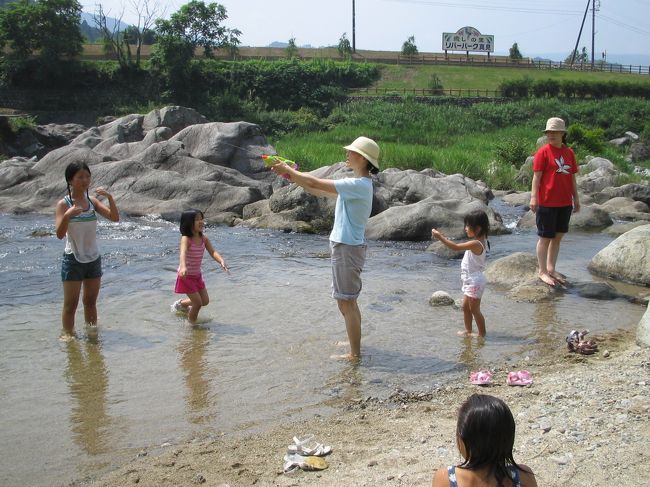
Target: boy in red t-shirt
point(553, 197)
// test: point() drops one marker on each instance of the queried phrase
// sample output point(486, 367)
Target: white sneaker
point(177, 307)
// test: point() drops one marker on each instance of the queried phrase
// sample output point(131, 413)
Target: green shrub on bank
point(18, 123)
point(486, 141)
point(526, 87)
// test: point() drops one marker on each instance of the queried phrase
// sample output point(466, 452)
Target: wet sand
point(584, 421)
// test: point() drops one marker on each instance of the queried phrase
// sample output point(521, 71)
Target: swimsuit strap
point(451, 473)
point(514, 475)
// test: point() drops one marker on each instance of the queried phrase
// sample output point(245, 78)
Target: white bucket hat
point(368, 148)
point(555, 124)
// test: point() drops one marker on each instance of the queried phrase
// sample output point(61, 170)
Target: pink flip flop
point(481, 378)
point(519, 378)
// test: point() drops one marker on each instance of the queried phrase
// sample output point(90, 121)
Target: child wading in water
point(485, 435)
point(477, 227)
point(76, 220)
point(189, 279)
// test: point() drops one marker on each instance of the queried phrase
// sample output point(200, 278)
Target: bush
point(512, 151)
point(591, 140)
point(19, 123)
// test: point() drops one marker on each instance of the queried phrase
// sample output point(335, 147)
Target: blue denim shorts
point(73, 270)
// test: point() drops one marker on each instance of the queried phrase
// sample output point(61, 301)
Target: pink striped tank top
point(194, 257)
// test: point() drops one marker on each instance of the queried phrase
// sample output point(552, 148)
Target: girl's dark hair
point(487, 431)
point(187, 222)
point(478, 219)
point(72, 169)
point(372, 169)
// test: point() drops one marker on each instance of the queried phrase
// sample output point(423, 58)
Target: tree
point(194, 25)
point(344, 47)
point(292, 49)
point(119, 40)
point(581, 57)
point(48, 30)
point(199, 25)
point(409, 48)
point(515, 55)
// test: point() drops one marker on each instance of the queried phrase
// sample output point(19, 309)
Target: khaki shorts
point(347, 264)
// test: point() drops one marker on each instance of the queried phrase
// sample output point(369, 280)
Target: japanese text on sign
point(467, 39)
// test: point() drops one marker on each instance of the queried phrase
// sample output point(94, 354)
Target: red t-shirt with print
point(557, 167)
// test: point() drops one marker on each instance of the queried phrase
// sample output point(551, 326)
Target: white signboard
point(467, 39)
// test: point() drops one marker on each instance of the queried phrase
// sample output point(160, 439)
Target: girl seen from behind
point(82, 265)
point(485, 436)
point(189, 279)
point(477, 227)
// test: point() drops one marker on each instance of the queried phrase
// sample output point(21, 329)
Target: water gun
point(270, 160)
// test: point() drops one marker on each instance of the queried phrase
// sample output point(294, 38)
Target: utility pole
point(575, 49)
point(354, 41)
point(593, 30)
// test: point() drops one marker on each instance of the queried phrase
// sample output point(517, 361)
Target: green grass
point(404, 77)
point(455, 139)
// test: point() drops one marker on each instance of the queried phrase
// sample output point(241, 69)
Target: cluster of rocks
point(173, 159)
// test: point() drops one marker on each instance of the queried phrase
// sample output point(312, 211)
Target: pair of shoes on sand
point(577, 343)
point(306, 454)
point(518, 378)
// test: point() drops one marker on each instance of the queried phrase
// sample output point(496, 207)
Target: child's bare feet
point(559, 277)
point(66, 337)
point(547, 279)
point(465, 333)
point(349, 357)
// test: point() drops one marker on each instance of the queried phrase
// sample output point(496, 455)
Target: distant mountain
point(282, 45)
point(110, 21)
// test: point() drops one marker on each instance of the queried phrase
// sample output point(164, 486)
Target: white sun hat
point(555, 124)
point(368, 148)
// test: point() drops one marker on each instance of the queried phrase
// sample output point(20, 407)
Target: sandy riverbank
point(584, 422)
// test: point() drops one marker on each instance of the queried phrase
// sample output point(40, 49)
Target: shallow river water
point(261, 354)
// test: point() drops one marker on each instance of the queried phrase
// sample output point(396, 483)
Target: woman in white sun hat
point(347, 240)
point(553, 197)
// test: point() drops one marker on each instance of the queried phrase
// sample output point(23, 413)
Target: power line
point(631, 28)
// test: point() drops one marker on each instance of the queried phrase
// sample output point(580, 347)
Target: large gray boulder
point(414, 222)
point(597, 180)
point(623, 208)
point(640, 152)
point(174, 117)
point(238, 145)
point(636, 191)
point(627, 258)
point(517, 273)
point(147, 170)
point(16, 170)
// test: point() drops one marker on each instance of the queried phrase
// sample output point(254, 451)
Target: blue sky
point(547, 28)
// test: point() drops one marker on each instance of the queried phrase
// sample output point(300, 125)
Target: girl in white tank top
point(76, 219)
point(477, 227)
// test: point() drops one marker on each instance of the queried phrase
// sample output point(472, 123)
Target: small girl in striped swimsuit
point(188, 278)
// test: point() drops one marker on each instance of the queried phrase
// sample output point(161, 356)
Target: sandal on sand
point(576, 343)
point(481, 378)
point(307, 447)
point(519, 378)
point(293, 462)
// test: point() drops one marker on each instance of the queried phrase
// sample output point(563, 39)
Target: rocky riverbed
point(583, 422)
